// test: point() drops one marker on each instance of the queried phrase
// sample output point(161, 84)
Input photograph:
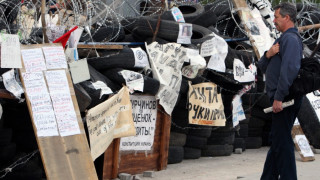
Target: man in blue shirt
point(281, 64)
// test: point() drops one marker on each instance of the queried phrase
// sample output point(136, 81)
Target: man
point(281, 64)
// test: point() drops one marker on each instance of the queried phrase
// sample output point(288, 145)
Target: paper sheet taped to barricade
point(144, 112)
point(108, 120)
point(205, 105)
point(166, 62)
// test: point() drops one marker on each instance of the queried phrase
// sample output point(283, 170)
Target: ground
point(245, 166)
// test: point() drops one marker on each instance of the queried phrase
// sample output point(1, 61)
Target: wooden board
point(64, 157)
point(245, 11)
point(99, 46)
point(136, 162)
point(297, 130)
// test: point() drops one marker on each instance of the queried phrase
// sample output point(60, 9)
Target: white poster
point(144, 112)
point(62, 102)
point(79, 71)
point(166, 61)
point(185, 33)
point(10, 83)
point(134, 80)
point(33, 60)
point(237, 110)
point(10, 51)
point(140, 58)
point(55, 57)
point(217, 48)
point(103, 87)
point(41, 105)
point(241, 73)
point(196, 61)
point(304, 145)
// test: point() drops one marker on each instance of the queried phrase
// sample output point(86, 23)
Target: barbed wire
point(21, 161)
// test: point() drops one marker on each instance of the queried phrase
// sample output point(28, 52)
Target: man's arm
point(264, 61)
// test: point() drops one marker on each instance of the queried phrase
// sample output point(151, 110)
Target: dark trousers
point(280, 162)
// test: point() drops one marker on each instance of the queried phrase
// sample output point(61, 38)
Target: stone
point(148, 174)
point(125, 176)
point(238, 151)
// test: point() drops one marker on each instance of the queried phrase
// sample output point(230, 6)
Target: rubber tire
point(310, 122)
point(196, 142)
point(239, 143)
point(191, 11)
point(177, 139)
point(217, 150)
point(216, 139)
point(175, 154)
point(200, 130)
point(243, 132)
point(5, 136)
point(83, 98)
point(192, 153)
point(7, 152)
point(253, 142)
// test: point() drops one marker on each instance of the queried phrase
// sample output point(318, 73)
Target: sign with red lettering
point(205, 105)
point(144, 113)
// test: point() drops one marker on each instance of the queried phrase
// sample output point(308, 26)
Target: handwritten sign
point(205, 105)
point(166, 62)
point(33, 60)
point(55, 58)
point(62, 102)
point(140, 58)
point(10, 83)
point(144, 112)
point(42, 110)
point(10, 51)
point(108, 120)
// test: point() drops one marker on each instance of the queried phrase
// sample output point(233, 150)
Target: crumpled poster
point(241, 73)
point(166, 62)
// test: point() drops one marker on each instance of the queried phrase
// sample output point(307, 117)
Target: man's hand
point(273, 50)
point(277, 106)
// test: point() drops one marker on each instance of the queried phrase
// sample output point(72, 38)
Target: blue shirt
point(282, 68)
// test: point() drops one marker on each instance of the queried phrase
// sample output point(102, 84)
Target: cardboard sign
point(108, 120)
point(144, 111)
point(185, 33)
point(166, 62)
point(10, 51)
point(205, 105)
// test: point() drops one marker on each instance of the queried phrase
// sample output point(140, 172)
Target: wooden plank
point(116, 147)
point(297, 130)
point(308, 27)
point(244, 11)
point(99, 46)
point(136, 162)
point(64, 157)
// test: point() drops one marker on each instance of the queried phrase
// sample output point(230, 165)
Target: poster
point(10, 51)
point(79, 70)
point(108, 120)
point(41, 105)
point(315, 103)
point(205, 105)
point(185, 33)
point(134, 80)
point(217, 48)
point(33, 60)
point(10, 83)
point(62, 102)
point(144, 112)
point(241, 73)
point(237, 110)
point(102, 86)
point(166, 62)
point(304, 145)
point(196, 61)
point(177, 14)
point(140, 58)
point(55, 57)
